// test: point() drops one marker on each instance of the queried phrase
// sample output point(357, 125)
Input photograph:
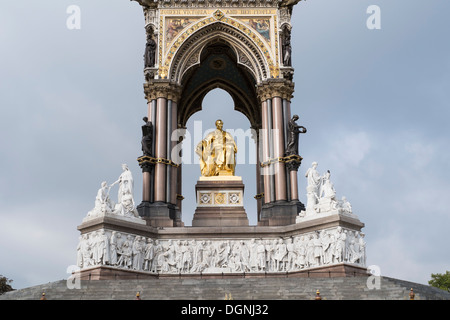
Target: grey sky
point(375, 103)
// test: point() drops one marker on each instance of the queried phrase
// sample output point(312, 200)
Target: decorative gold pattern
point(287, 159)
point(150, 160)
point(218, 15)
point(259, 196)
point(219, 198)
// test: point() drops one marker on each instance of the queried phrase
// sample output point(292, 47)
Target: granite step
point(348, 288)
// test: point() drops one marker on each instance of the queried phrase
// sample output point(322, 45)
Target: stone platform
point(114, 273)
point(332, 244)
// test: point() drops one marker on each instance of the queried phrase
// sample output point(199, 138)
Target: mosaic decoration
point(174, 26)
point(261, 25)
point(179, 26)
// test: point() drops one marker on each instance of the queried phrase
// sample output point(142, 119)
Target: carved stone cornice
point(215, 3)
point(157, 88)
point(272, 88)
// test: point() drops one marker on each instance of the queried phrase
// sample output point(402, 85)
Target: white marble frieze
point(133, 252)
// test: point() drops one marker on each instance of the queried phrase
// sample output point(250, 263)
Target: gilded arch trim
point(241, 37)
point(189, 54)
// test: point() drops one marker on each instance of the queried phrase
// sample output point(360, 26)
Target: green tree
point(5, 285)
point(441, 281)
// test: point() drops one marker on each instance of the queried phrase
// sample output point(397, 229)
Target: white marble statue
point(345, 205)
point(125, 182)
point(125, 207)
point(103, 203)
point(327, 195)
point(313, 186)
point(321, 196)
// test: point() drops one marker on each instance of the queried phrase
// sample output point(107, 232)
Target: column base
point(279, 213)
point(300, 205)
point(158, 214)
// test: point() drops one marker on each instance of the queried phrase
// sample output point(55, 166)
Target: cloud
point(72, 105)
point(38, 240)
point(396, 258)
point(348, 148)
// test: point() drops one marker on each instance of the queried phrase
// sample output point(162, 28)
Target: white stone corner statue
point(103, 203)
point(321, 196)
point(125, 206)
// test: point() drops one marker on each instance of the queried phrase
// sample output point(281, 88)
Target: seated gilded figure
point(217, 153)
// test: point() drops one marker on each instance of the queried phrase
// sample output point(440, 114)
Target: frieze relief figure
point(134, 252)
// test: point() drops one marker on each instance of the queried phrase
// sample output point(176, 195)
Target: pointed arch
point(248, 53)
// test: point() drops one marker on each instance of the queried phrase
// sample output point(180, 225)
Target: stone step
point(354, 288)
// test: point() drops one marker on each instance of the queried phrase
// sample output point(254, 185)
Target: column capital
point(272, 88)
point(157, 88)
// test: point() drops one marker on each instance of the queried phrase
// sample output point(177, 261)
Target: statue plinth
point(220, 202)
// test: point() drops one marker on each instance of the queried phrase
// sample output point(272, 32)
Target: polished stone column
point(259, 181)
point(147, 169)
point(265, 152)
point(270, 134)
point(159, 172)
point(286, 118)
point(169, 151)
point(151, 180)
point(161, 150)
point(294, 185)
point(278, 150)
point(277, 210)
point(174, 170)
point(146, 191)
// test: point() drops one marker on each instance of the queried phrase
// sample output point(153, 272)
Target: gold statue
point(217, 153)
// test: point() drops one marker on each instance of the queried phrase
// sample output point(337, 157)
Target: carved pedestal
point(220, 202)
point(326, 246)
